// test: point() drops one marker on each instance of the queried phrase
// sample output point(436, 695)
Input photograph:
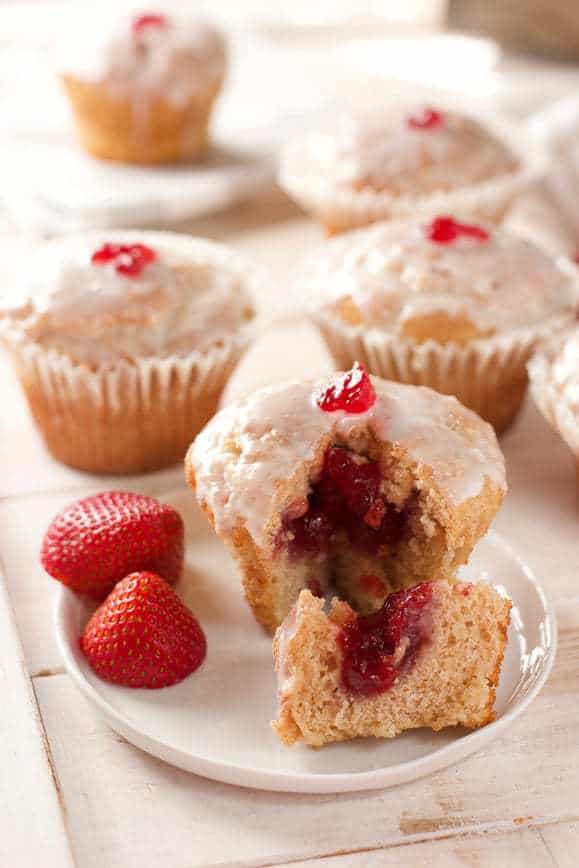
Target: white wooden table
point(73, 793)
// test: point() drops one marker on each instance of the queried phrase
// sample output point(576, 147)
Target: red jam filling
point(346, 498)
point(426, 119)
point(352, 392)
point(373, 585)
point(446, 230)
point(129, 259)
point(150, 19)
point(377, 648)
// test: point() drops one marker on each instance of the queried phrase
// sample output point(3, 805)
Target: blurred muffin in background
point(554, 375)
point(443, 303)
point(144, 92)
point(123, 344)
point(398, 162)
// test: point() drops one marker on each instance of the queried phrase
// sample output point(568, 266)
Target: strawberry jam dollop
point(352, 392)
point(425, 119)
point(346, 498)
point(377, 648)
point(147, 21)
point(446, 230)
point(129, 260)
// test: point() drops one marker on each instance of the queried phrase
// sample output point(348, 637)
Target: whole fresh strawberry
point(143, 635)
point(94, 543)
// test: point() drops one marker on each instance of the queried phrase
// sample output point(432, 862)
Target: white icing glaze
point(183, 58)
point(284, 634)
point(392, 273)
point(386, 154)
point(194, 294)
point(252, 447)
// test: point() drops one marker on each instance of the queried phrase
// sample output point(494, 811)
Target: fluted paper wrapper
point(487, 375)
point(150, 132)
point(342, 210)
point(130, 418)
point(552, 404)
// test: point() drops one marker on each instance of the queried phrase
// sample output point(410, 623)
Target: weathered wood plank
point(142, 812)
point(562, 843)
point(522, 849)
point(32, 829)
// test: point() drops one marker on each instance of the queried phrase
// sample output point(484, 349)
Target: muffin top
point(170, 55)
point(438, 279)
point(554, 372)
point(101, 297)
point(406, 152)
point(247, 453)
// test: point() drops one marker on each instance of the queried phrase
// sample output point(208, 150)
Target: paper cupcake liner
point(341, 210)
point(489, 375)
point(142, 131)
point(551, 402)
point(131, 418)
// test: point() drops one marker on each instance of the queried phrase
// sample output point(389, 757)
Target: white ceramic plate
point(216, 722)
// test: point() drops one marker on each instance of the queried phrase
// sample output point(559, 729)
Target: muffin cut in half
point(365, 483)
point(431, 657)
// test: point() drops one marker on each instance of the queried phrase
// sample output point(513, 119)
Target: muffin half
point(431, 657)
point(366, 484)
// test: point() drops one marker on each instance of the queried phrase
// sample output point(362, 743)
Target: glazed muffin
point(366, 484)
point(123, 343)
point(431, 657)
point(554, 373)
point(365, 169)
point(144, 92)
point(455, 306)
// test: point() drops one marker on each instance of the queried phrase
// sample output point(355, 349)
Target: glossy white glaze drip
point(251, 448)
point(195, 293)
point(284, 634)
point(393, 272)
point(386, 153)
point(184, 57)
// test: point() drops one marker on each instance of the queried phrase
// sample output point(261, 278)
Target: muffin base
point(143, 131)
point(133, 418)
point(488, 375)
